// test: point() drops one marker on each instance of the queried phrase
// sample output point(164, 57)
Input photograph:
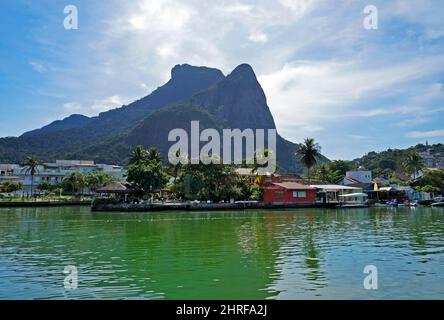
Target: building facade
point(289, 193)
point(55, 172)
point(432, 159)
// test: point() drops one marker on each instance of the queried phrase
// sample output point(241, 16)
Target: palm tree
point(308, 152)
point(154, 154)
point(74, 181)
point(413, 163)
point(139, 155)
point(30, 165)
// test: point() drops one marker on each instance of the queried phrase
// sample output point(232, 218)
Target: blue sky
point(325, 76)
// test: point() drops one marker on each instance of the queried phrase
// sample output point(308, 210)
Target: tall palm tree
point(139, 155)
point(308, 152)
point(413, 163)
point(154, 154)
point(74, 181)
point(30, 165)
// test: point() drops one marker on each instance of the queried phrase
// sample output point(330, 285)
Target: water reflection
point(284, 254)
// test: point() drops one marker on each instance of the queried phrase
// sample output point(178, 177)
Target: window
point(279, 194)
point(299, 194)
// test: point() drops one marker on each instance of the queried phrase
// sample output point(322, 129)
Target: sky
point(325, 75)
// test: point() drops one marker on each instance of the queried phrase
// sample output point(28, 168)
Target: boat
point(352, 205)
point(408, 203)
point(392, 203)
point(353, 200)
point(438, 202)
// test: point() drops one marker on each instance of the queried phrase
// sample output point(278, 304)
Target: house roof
point(333, 187)
point(244, 171)
point(292, 186)
point(249, 172)
point(116, 187)
point(352, 179)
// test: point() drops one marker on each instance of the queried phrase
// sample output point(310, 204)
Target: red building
point(289, 192)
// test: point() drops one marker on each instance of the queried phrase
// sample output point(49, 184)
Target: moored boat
point(438, 202)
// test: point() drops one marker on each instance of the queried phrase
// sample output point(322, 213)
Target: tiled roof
point(293, 186)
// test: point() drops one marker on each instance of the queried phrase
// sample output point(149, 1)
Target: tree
point(154, 155)
point(74, 181)
point(212, 181)
point(30, 165)
point(10, 186)
point(429, 189)
point(96, 180)
point(146, 171)
point(174, 169)
point(413, 163)
point(45, 186)
point(308, 152)
point(139, 155)
point(431, 178)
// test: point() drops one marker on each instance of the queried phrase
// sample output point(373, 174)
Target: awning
point(354, 195)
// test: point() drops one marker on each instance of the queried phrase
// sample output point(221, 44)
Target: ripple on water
point(253, 255)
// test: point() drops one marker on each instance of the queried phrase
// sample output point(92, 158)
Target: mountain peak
point(243, 70)
point(184, 71)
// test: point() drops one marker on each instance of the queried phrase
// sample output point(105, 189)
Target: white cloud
point(238, 8)
point(414, 121)
point(160, 15)
point(38, 66)
point(426, 134)
point(258, 37)
point(318, 92)
point(425, 13)
point(72, 106)
point(107, 104)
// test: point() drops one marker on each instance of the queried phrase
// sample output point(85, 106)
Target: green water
point(280, 254)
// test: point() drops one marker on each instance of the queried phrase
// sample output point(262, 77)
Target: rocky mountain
point(71, 122)
point(193, 93)
point(61, 138)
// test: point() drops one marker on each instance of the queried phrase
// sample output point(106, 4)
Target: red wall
point(280, 195)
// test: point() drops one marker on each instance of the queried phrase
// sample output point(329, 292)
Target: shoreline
point(27, 204)
point(200, 207)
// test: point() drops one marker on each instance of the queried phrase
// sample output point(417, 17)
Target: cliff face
point(238, 99)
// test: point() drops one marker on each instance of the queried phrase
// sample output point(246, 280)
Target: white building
point(7, 173)
point(356, 177)
point(432, 159)
point(55, 172)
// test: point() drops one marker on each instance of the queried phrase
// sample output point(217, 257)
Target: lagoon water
point(276, 254)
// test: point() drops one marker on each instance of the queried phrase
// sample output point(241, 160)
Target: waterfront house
point(289, 193)
point(391, 192)
point(268, 178)
point(333, 193)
